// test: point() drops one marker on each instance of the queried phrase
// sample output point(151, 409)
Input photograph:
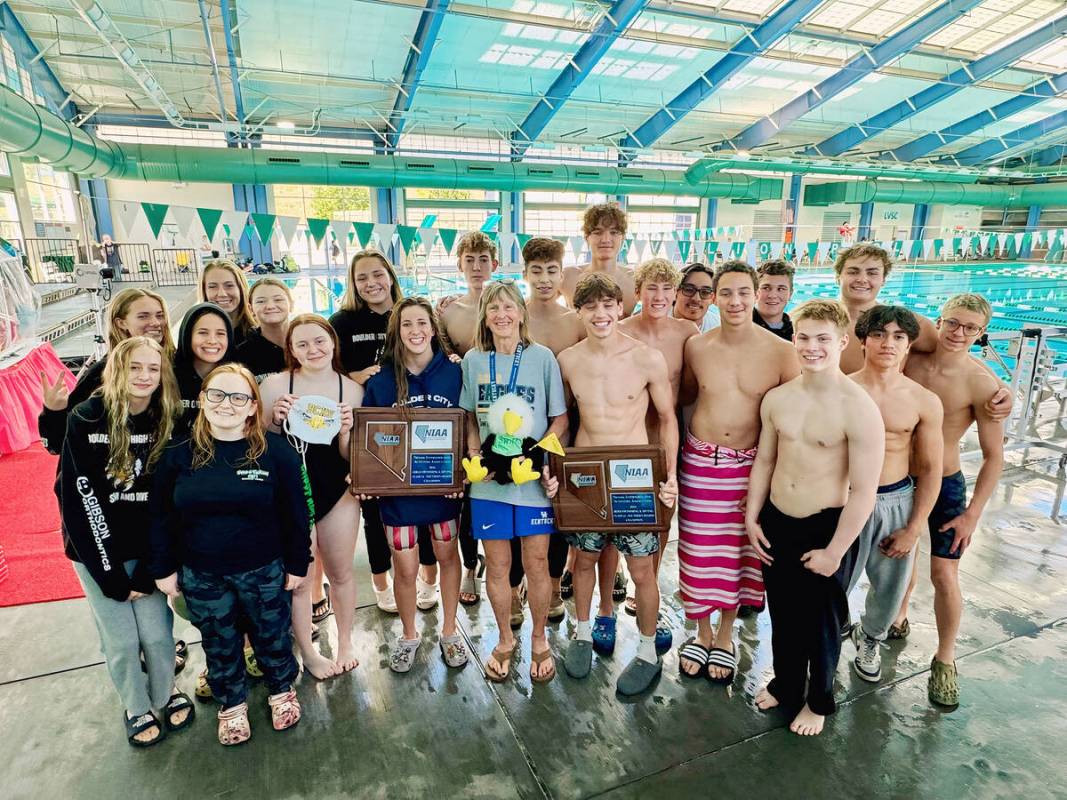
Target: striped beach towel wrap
point(717, 565)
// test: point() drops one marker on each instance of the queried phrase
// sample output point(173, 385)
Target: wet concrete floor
point(441, 733)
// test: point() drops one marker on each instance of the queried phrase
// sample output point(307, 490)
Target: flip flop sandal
point(536, 660)
point(181, 656)
point(471, 585)
point(203, 692)
point(630, 606)
point(251, 665)
point(900, 631)
point(403, 655)
point(453, 651)
point(726, 659)
point(321, 610)
point(140, 725)
point(179, 701)
point(284, 710)
point(502, 656)
point(233, 725)
point(693, 651)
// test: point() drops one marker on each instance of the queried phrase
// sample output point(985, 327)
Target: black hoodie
point(105, 524)
point(52, 425)
point(189, 382)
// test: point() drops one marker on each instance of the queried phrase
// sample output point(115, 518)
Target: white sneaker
point(868, 661)
point(385, 600)
point(425, 594)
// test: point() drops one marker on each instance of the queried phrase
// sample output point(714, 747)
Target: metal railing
point(131, 261)
point(52, 260)
point(175, 266)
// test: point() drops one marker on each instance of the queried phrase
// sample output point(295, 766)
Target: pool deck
point(444, 734)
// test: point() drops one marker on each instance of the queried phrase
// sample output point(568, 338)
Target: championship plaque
point(415, 451)
point(610, 489)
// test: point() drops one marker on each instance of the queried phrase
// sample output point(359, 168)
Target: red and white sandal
point(284, 710)
point(233, 725)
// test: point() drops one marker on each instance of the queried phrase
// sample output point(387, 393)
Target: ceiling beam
point(983, 151)
point(965, 76)
point(611, 26)
point(854, 71)
point(928, 143)
point(750, 45)
point(422, 44)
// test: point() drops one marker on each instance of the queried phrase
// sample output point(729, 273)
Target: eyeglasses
point(689, 290)
point(968, 329)
point(237, 399)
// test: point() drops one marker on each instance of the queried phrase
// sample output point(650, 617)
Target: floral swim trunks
point(629, 544)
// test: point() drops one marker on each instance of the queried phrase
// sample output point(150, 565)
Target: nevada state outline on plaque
point(388, 443)
point(585, 481)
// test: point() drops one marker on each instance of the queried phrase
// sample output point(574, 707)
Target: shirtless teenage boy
point(811, 490)
point(727, 372)
point(604, 227)
point(551, 322)
point(458, 319)
point(613, 380)
point(912, 417)
point(657, 288)
point(963, 386)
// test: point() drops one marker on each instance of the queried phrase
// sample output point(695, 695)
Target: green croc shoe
point(943, 687)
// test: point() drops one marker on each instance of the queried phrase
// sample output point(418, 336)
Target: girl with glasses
point(231, 531)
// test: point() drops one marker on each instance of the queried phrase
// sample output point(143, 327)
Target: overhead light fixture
point(993, 170)
point(284, 123)
point(744, 155)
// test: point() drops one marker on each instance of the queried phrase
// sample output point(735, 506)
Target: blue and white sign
point(431, 469)
point(431, 435)
point(633, 508)
point(631, 473)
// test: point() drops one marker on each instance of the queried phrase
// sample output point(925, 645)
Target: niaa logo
point(580, 480)
point(625, 473)
point(425, 433)
point(387, 440)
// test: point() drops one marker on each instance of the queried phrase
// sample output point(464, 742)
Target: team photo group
point(207, 471)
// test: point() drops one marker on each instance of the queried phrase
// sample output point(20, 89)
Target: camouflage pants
point(216, 602)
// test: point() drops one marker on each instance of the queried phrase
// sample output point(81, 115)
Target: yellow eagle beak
point(512, 422)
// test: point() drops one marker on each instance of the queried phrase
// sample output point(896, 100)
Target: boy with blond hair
point(811, 490)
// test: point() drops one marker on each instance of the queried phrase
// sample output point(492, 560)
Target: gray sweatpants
point(889, 577)
point(126, 630)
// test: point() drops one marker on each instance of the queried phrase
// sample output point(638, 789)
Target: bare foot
point(346, 656)
point(468, 597)
point(807, 722)
point(320, 666)
point(765, 701)
point(723, 641)
point(688, 666)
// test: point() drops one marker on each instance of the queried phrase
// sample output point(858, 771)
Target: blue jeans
point(216, 604)
point(126, 630)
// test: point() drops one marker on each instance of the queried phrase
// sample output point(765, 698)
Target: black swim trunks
point(951, 502)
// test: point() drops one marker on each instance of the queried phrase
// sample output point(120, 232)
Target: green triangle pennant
point(351, 236)
point(684, 246)
point(813, 249)
point(737, 250)
point(317, 229)
point(522, 239)
point(364, 231)
point(764, 251)
point(711, 247)
point(939, 245)
point(655, 244)
point(448, 238)
point(209, 218)
point(407, 236)
point(264, 225)
point(156, 213)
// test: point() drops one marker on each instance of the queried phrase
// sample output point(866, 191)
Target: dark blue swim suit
point(951, 502)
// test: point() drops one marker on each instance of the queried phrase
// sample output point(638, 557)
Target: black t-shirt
point(784, 332)
point(362, 336)
point(262, 356)
point(229, 517)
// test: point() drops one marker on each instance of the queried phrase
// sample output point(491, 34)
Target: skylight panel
point(837, 15)
point(877, 22)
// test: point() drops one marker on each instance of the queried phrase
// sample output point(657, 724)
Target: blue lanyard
point(512, 381)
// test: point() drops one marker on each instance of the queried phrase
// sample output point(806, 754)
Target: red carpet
point(29, 531)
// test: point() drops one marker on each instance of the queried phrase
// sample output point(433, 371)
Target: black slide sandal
point(717, 657)
point(140, 725)
point(178, 701)
point(693, 651)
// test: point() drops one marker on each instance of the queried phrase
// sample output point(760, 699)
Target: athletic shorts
point(951, 502)
point(491, 519)
point(629, 544)
point(405, 537)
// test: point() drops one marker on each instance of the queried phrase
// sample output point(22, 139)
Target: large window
point(461, 209)
point(9, 218)
point(321, 202)
point(178, 136)
point(558, 214)
point(51, 194)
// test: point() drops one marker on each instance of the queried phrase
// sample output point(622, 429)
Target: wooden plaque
point(610, 489)
point(417, 452)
